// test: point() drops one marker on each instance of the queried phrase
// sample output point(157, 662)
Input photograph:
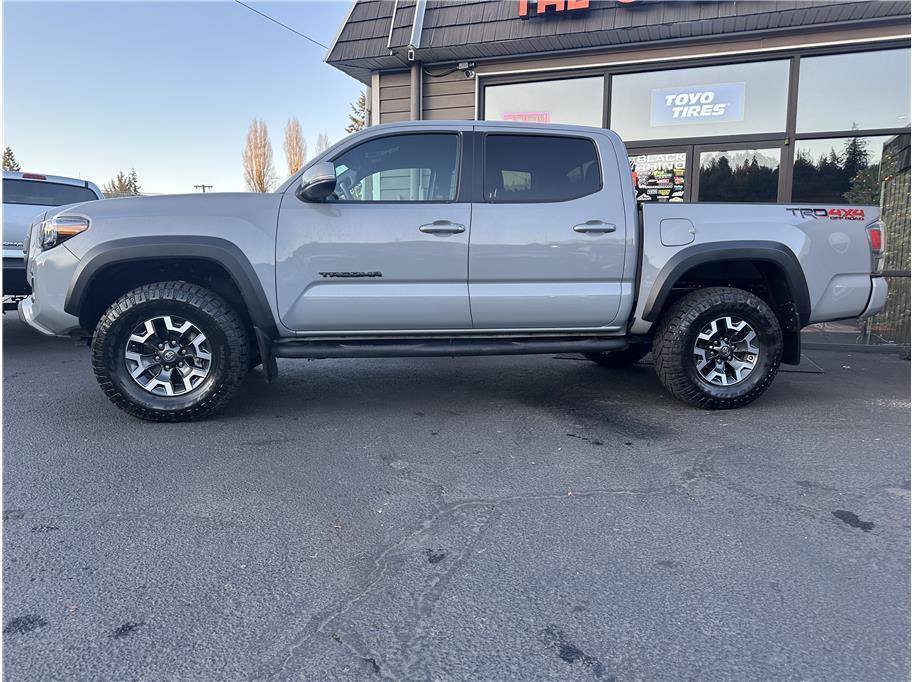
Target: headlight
point(57, 230)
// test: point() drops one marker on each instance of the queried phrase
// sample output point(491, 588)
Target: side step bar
point(432, 347)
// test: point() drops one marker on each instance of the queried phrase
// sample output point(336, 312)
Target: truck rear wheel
point(718, 348)
point(620, 358)
point(170, 351)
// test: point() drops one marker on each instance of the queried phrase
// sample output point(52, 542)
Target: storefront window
point(659, 177)
point(700, 102)
point(573, 101)
point(739, 175)
point(838, 170)
point(861, 90)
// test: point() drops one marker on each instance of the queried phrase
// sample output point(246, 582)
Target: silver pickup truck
point(26, 195)
point(445, 238)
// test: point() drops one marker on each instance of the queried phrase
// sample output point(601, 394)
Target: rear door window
point(539, 168)
point(38, 193)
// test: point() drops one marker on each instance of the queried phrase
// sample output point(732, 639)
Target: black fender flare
point(174, 247)
point(765, 251)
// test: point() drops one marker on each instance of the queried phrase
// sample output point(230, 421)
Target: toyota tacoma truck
point(443, 239)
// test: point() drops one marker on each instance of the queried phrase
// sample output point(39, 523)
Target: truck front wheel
point(170, 351)
point(718, 348)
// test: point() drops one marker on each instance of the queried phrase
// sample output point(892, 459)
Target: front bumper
point(878, 297)
point(51, 273)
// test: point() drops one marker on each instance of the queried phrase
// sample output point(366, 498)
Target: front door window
point(410, 167)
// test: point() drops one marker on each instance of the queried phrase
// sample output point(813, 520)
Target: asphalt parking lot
point(447, 519)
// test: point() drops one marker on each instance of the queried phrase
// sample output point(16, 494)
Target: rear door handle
point(442, 227)
point(595, 227)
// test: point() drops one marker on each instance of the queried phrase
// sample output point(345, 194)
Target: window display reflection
point(838, 170)
point(739, 175)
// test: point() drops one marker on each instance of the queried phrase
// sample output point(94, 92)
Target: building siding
point(493, 29)
point(394, 97)
point(453, 96)
point(448, 97)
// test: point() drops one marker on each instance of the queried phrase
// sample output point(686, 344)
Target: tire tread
point(668, 345)
point(191, 294)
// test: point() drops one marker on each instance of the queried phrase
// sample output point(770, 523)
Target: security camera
point(468, 73)
point(410, 54)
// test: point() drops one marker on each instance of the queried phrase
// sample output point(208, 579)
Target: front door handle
point(595, 227)
point(442, 227)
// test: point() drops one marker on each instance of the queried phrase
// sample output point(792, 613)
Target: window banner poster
point(659, 177)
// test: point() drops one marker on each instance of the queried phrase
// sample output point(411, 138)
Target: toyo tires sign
point(697, 104)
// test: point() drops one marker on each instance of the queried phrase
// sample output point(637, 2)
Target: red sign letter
point(577, 4)
point(543, 5)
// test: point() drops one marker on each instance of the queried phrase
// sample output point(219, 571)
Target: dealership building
point(805, 102)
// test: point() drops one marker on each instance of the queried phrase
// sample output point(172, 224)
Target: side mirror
point(318, 182)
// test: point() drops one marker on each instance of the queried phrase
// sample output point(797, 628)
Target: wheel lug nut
point(161, 346)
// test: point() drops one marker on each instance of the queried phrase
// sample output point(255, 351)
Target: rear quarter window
point(38, 193)
point(539, 168)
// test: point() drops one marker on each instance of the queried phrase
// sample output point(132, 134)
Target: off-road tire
point(676, 335)
point(228, 342)
point(620, 358)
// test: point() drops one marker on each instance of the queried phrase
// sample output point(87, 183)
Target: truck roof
point(462, 123)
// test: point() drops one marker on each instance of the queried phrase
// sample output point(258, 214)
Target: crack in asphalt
point(320, 624)
point(702, 468)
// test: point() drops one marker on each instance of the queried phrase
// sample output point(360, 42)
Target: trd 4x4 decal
point(831, 213)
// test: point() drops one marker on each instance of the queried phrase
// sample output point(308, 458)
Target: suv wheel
point(620, 358)
point(718, 348)
point(170, 351)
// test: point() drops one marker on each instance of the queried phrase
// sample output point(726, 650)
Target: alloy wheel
point(168, 355)
point(726, 351)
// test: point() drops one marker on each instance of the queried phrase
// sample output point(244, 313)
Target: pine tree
point(119, 185)
point(358, 116)
point(9, 160)
point(865, 187)
point(133, 182)
point(855, 156)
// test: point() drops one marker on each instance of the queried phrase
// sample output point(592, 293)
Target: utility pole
point(203, 187)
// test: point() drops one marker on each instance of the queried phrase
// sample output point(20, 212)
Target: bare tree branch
point(259, 173)
point(295, 146)
point(323, 143)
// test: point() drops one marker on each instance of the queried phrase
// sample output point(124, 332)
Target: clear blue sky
point(166, 87)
